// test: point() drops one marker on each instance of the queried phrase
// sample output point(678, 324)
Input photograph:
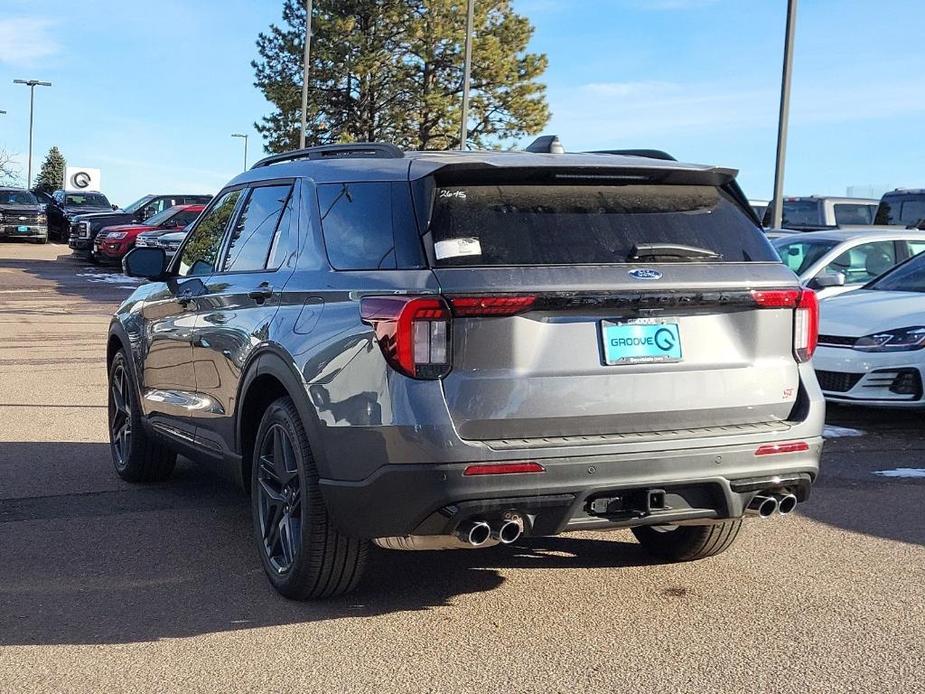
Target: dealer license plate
point(641, 341)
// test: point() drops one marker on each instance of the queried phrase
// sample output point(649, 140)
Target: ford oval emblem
point(645, 273)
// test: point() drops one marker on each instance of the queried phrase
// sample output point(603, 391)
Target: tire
point(688, 542)
point(136, 455)
point(303, 554)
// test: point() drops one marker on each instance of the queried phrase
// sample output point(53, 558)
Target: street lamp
point(242, 135)
point(32, 84)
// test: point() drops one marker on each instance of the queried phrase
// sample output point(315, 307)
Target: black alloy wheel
point(279, 503)
point(120, 415)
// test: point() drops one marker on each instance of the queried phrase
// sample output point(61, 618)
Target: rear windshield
point(587, 224)
point(905, 210)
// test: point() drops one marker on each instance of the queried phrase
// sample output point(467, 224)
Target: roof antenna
point(547, 144)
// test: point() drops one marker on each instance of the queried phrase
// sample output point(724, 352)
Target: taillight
point(806, 326)
point(805, 316)
point(413, 333)
point(491, 305)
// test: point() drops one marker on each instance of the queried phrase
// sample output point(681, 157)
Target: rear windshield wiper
point(673, 251)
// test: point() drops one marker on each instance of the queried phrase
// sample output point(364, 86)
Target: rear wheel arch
point(267, 379)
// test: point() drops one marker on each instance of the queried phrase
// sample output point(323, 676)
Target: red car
point(114, 242)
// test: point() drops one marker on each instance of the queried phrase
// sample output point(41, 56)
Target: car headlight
point(900, 340)
point(115, 235)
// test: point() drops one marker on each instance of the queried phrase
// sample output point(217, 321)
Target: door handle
point(263, 292)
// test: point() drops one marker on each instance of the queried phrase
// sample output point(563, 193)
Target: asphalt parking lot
point(106, 586)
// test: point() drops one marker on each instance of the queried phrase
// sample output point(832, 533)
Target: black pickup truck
point(66, 207)
point(84, 227)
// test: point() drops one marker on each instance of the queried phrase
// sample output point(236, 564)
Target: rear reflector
point(778, 448)
point(491, 305)
point(502, 469)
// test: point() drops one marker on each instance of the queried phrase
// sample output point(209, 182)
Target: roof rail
point(647, 153)
point(373, 150)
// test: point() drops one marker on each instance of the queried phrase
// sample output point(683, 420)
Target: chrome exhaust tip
point(786, 503)
point(762, 506)
point(475, 533)
point(509, 531)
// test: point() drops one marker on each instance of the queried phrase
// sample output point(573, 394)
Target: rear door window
point(356, 220)
point(862, 263)
point(587, 224)
point(255, 228)
point(904, 209)
point(799, 256)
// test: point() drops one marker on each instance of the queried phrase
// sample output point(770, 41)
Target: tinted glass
point(281, 241)
point(183, 218)
point(17, 197)
point(799, 256)
point(580, 224)
point(200, 254)
point(905, 210)
point(357, 223)
point(908, 277)
point(86, 200)
point(853, 214)
point(138, 204)
point(803, 213)
point(862, 263)
point(161, 217)
point(255, 228)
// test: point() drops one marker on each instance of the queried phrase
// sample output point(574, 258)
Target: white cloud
point(26, 40)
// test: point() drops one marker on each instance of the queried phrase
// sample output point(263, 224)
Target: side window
point(181, 219)
point(201, 248)
point(863, 263)
point(154, 207)
point(356, 220)
point(915, 247)
point(281, 240)
point(853, 214)
point(58, 197)
point(255, 229)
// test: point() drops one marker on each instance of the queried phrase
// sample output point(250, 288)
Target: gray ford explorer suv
point(434, 350)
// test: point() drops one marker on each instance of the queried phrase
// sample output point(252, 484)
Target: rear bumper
point(703, 484)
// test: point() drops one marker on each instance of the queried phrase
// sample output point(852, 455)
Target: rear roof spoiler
point(646, 153)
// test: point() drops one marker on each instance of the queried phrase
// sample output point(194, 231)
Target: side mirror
point(830, 278)
point(150, 263)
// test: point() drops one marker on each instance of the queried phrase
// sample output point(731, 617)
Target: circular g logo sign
point(81, 179)
point(664, 339)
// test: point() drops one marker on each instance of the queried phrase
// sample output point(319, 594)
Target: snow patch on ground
point(902, 472)
point(833, 432)
point(109, 278)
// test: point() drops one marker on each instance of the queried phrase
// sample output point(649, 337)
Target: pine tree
point(51, 175)
point(392, 70)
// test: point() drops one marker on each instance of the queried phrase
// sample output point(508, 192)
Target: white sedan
point(838, 260)
point(871, 341)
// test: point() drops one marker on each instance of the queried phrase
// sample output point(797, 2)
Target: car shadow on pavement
point(69, 276)
point(125, 564)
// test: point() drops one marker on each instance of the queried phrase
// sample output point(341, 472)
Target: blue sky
point(150, 92)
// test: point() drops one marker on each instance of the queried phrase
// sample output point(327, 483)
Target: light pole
point(777, 211)
point(242, 135)
point(308, 48)
point(32, 84)
point(467, 69)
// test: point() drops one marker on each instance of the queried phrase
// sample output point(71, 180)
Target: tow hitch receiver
point(635, 503)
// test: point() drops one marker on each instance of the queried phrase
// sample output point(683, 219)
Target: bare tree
point(9, 171)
